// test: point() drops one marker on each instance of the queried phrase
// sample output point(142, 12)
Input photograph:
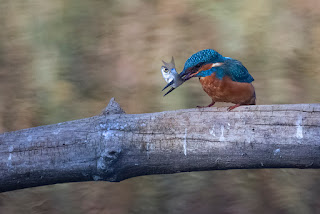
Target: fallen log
point(114, 146)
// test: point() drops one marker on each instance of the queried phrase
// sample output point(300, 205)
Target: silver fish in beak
point(171, 76)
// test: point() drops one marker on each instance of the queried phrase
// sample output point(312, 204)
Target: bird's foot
point(233, 107)
point(211, 104)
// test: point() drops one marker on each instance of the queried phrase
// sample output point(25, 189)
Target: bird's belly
point(226, 90)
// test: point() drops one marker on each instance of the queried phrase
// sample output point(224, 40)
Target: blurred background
point(63, 60)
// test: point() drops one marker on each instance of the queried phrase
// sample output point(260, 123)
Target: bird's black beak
point(186, 75)
point(170, 83)
point(171, 89)
point(183, 76)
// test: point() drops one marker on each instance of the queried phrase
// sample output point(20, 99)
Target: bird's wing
point(235, 70)
point(232, 68)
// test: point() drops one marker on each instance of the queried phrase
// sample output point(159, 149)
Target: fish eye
point(164, 69)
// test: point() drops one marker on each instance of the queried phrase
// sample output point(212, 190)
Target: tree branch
point(115, 146)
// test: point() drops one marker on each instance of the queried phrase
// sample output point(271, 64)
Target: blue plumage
point(204, 56)
point(229, 67)
point(232, 68)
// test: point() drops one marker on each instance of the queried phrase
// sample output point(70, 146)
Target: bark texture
point(114, 146)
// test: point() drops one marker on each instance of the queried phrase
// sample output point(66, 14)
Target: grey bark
point(114, 146)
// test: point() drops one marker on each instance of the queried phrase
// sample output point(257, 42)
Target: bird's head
point(202, 60)
point(198, 62)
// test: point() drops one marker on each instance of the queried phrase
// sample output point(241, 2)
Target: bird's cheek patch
point(216, 64)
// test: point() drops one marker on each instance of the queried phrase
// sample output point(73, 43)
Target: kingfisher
point(224, 79)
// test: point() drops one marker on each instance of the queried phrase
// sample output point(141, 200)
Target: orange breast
point(226, 90)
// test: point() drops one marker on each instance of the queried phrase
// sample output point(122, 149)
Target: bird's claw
point(211, 104)
point(230, 108)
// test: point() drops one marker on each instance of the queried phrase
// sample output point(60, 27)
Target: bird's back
point(235, 70)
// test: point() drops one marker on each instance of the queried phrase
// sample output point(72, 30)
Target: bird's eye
point(164, 69)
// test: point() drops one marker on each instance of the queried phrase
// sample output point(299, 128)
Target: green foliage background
point(64, 59)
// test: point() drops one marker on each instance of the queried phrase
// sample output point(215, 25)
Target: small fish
point(170, 75)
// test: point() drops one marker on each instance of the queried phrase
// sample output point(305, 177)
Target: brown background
point(64, 59)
